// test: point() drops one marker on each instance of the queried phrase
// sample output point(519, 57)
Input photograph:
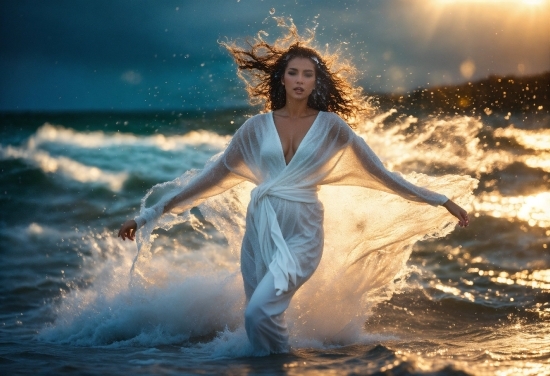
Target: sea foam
point(194, 297)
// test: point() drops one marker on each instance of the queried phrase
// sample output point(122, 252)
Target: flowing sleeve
point(221, 172)
point(356, 164)
point(393, 181)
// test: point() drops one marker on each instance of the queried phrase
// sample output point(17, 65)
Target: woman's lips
point(299, 90)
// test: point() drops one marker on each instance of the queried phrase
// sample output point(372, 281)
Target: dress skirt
point(302, 228)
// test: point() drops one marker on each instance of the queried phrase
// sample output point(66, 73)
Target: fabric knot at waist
point(304, 195)
point(273, 248)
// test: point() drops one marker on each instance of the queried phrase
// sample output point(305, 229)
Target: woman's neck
point(296, 109)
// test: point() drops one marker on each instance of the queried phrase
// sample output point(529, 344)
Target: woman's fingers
point(131, 234)
point(458, 212)
point(122, 233)
point(126, 233)
point(464, 221)
point(127, 230)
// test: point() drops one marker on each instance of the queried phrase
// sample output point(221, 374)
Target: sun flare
point(515, 2)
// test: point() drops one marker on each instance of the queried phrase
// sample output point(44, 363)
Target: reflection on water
point(541, 161)
point(481, 304)
point(532, 139)
point(537, 279)
point(452, 290)
point(533, 209)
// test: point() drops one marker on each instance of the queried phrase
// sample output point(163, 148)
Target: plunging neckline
point(272, 120)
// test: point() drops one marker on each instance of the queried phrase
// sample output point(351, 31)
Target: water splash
point(409, 144)
point(190, 277)
point(112, 312)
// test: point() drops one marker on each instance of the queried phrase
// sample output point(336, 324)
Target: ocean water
point(474, 302)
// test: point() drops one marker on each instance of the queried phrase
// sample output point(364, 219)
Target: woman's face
point(299, 78)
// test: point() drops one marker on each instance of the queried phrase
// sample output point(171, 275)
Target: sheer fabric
point(334, 187)
point(330, 153)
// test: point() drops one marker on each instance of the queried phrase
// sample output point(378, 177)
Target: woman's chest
point(291, 133)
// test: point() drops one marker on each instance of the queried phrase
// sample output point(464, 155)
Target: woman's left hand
point(458, 212)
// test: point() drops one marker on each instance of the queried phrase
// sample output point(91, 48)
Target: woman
point(288, 153)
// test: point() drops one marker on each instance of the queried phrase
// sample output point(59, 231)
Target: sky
point(72, 55)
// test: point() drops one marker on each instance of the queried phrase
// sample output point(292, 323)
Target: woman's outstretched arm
point(218, 176)
point(402, 187)
point(207, 183)
point(207, 180)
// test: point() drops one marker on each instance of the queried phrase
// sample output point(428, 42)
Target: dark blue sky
point(147, 54)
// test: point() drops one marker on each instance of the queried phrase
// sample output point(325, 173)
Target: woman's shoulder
point(253, 124)
point(336, 128)
point(257, 119)
point(329, 116)
point(333, 119)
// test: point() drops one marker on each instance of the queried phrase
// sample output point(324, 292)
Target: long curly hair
point(262, 65)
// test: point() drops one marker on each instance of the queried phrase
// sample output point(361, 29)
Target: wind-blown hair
point(261, 66)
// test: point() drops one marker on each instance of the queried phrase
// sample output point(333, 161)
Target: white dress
point(284, 237)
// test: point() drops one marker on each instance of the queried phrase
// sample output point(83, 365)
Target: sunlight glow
point(518, 2)
point(534, 209)
point(533, 139)
point(541, 161)
point(537, 279)
point(453, 291)
point(511, 23)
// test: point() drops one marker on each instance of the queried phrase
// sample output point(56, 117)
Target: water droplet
point(272, 11)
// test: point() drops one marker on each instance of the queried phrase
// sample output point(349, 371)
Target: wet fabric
point(330, 153)
point(284, 233)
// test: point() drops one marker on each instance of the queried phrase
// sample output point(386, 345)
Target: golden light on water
point(453, 291)
point(537, 139)
point(541, 161)
point(533, 209)
point(537, 279)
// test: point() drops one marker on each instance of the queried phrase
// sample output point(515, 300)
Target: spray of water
point(187, 289)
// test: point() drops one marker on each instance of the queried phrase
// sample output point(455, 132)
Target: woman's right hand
point(128, 230)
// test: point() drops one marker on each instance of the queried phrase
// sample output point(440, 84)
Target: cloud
point(395, 44)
